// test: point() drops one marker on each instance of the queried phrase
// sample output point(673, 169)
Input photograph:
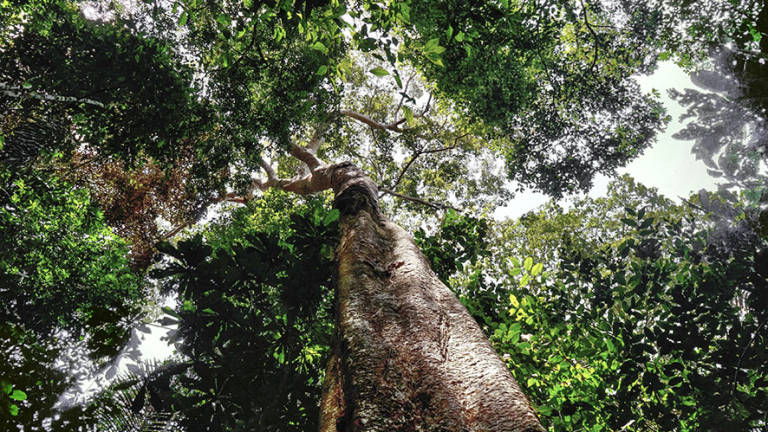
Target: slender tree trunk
point(408, 357)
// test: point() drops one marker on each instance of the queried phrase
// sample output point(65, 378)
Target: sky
point(668, 165)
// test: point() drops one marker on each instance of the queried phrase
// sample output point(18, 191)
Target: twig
point(175, 231)
point(405, 168)
point(426, 107)
point(699, 208)
point(594, 35)
point(405, 92)
point(743, 353)
point(433, 205)
point(371, 122)
point(416, 154)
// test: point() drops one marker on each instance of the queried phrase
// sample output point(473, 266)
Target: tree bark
point(408, 355)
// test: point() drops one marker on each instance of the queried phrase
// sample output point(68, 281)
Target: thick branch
point(314, 144)
point(305, 154)
point(13, 91)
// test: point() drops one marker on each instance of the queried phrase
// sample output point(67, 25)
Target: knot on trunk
point(354, 191)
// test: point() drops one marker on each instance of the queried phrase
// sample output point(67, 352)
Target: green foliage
point(29, 386)
point(687, 31)
point(53, 237)
point(640, 319)
point(625, 313)
point(547, 84)
point(550, 81)
point(485, 69)
point(459, 239)
point(127, 93)
point(63, 277)
point(255, 306)
point(268, 65)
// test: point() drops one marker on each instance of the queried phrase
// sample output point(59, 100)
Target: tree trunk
point(408, 356)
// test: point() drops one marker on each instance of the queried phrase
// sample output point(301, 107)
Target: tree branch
point(174, 231)
point(404, 93)
point(418, 153)
point(426, 107)
point(314, 144)
point(371, 122)
point(13, 91)
point(743, 353)
point(594, 35)
point(433, 205)
point(306, 154)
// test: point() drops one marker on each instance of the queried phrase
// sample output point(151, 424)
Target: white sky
point(668, 166)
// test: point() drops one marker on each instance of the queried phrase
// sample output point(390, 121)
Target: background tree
point(54, 237)
point(627, 312)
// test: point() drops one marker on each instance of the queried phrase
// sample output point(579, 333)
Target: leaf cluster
point(649, 326)
point(254, 316)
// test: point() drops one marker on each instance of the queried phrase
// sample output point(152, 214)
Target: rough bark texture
point(409, 356)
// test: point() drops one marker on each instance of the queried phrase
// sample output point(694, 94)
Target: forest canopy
point(160, 171)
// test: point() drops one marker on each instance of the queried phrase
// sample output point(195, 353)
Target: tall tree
point(219, 91)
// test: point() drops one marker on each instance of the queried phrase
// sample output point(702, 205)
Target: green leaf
point(431, 44)
point(183, 19)
point(629, 222)
point(319, 46)
point(170, 312)
point(18, 395)
point(6, 387)
point(27, 85)
point(408, 113)
point(224, 20)
point(322, 70)
point(14, 410)
point(435, 59)
point(188, 306)
point(528, 263)
point(524, 281)
point(331, 217)
point(537, 269)
point(379, 72)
